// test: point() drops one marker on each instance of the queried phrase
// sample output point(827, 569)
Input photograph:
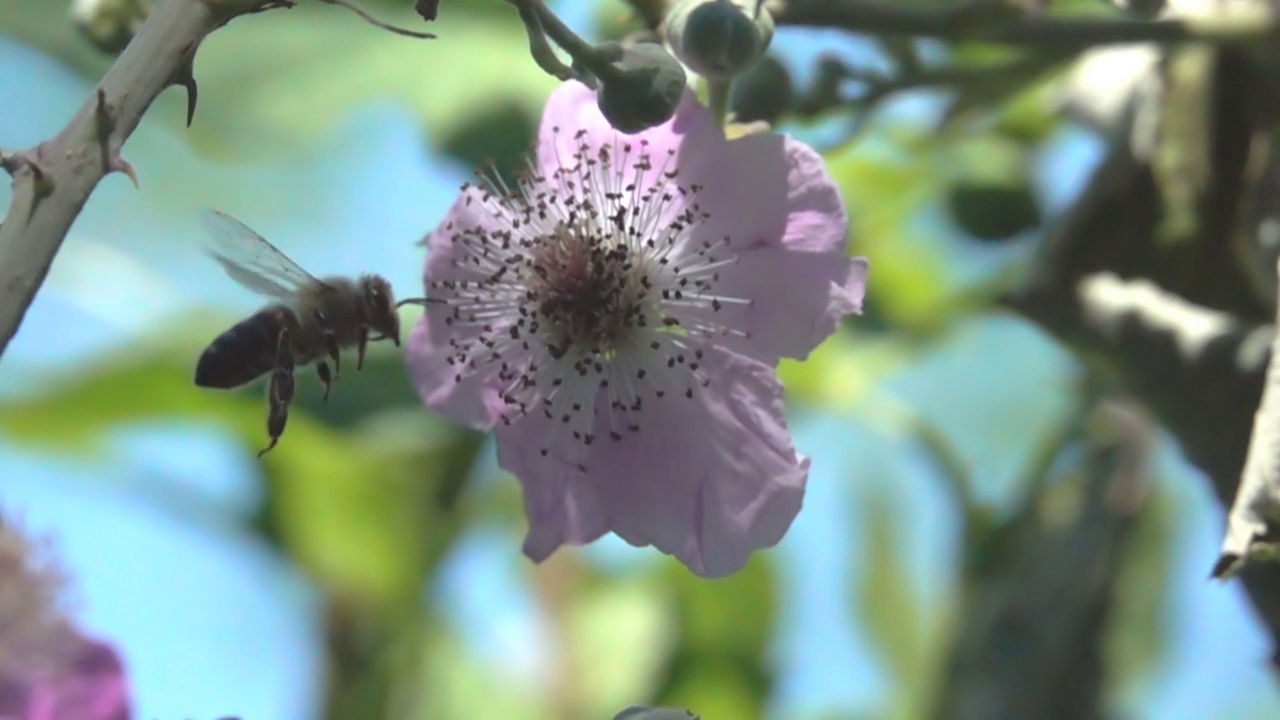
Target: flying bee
point(312, 320)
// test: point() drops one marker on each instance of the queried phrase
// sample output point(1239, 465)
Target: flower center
point(583, 290)
point(586, 293)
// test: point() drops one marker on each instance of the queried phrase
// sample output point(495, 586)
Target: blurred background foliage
point(369, 567)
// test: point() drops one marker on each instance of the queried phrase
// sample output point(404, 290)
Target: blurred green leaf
point(732, 615)
point(993, 91)
point(497, 136)
point(270, 84)
point(73, 410)
point(714, 688)
point(1138, 629)
point(842, 370)
point(47, 26)
point(889, 610)
point(884, 193)
point(993, 211)
point(724, 626)
point(457, 684)
point(382, 385)
point(1183, 157)
point(620, 637)
point(355, 510)
point(1030, 117)
point(277, 80)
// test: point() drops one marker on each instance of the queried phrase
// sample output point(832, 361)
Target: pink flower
point(49, 670)
point(617, 318)
point(90, 685)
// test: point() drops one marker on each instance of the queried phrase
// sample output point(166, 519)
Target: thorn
point(106, 123)
point(15, 162)
point(43, 185)
point(119, 164)
point(10, 161)
point(185, 76)
point(103, 112)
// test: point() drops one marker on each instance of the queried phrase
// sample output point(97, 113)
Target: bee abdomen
point(244, 352)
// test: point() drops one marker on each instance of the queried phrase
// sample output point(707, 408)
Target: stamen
point(591, 296)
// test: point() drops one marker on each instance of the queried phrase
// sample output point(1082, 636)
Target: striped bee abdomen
point(244, 352)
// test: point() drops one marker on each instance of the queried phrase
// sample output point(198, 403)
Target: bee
point(312, 320)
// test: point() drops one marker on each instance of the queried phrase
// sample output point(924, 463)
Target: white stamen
point(591, 283)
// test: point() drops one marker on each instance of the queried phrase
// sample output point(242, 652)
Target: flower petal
point(571, 117)
point(468, 398)
point(772, 196)
point(562, 505)
point(797, 301)
point(708, 480)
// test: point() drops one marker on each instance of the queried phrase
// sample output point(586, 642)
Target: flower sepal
point(719, 39)
point(645, 91)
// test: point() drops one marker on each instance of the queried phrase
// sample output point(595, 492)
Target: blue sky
point(181, 595)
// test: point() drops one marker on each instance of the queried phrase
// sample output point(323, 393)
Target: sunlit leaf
point(1031, 116)
point(73, 410)
point(842, 370)
point(714, 689)
point(457, 684)
point(620, 636)
point(278, 80)
point(382, 385)
point(48, 26)
point(732, 615)
point(356, 511)
point(275, 82)
point(723, 627)
point(1183, 157)
point(889, 608)
point(909, 282)
point(1138, 627)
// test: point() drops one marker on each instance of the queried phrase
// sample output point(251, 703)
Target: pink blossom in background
point(90, 685)
point(49, 670)
point(616, 319)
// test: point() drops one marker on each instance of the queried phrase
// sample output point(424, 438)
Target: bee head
point(380, 308)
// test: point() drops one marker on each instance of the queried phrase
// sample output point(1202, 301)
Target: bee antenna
point(418, 301)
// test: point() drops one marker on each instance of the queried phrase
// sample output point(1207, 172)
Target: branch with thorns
point(53, 180)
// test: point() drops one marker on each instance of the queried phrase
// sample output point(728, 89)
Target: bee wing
point(251, 260)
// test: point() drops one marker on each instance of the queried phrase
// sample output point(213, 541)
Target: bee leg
point(361, 347)
point(322, 369)
point(280, 392)
point(331, 342)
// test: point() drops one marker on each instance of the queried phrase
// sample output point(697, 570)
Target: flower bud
point(110, 24)
point(649, 713)
point(763, 93)
point(645, 93)
point(719, 38)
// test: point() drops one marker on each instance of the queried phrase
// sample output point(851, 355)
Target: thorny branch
point(1251, 522)
point(53, 180)
point(1178, 324)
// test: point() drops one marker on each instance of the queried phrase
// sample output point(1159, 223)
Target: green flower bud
point(640, 712)
point(644, 92)
point(762, 93)
point(993, 212)
point(719, 38)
